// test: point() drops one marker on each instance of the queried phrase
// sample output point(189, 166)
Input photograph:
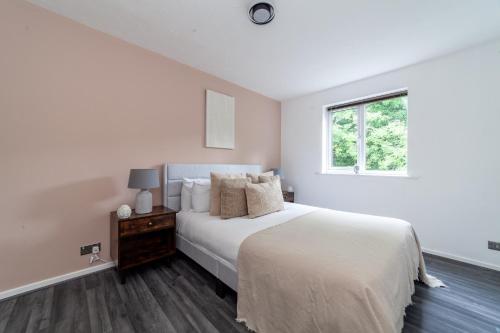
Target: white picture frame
point(220, 120)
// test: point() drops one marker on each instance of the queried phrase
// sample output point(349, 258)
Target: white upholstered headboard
point(174, 173)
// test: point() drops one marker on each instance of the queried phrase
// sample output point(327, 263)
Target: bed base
point(227, 276)
point(221, 289)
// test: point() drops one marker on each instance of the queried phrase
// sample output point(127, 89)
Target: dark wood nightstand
point(142, 238)
point(288, 196)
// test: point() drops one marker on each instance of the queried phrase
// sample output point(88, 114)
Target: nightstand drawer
point(146, 247)
point(138, 226)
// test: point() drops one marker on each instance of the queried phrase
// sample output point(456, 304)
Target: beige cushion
point(264, 198)
point(268, 179)
point(255, 176)
point(215, 179)
point(233, 200)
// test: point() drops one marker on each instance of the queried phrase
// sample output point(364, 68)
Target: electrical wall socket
point(494, 245)
point(88, 249)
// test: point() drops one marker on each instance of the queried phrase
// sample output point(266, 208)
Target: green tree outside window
point(385, 135)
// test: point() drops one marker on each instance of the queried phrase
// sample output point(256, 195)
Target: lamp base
point(143, 202)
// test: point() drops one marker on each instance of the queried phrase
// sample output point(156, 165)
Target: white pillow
point(200, 197)
point(187, 190)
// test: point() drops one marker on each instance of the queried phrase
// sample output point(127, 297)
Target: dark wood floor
point(182, 299)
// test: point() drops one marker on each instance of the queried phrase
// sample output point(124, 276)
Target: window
point(368, 136)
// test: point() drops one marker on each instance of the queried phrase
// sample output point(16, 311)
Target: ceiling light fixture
point(261, 12)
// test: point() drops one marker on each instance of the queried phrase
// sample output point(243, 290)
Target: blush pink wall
point(78, 110)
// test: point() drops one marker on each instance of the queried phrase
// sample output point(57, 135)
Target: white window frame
point(361, 144)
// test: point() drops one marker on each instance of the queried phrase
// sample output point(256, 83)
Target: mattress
point(221, 239)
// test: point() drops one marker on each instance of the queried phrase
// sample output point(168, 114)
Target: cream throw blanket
point(329, 271)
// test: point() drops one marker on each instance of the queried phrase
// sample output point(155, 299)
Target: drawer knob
point(150, 223)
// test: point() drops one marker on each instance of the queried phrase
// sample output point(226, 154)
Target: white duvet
point(223, 238)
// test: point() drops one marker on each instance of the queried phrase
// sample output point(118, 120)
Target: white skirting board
point(54, 280)
point(462, 259)
point(68, 276)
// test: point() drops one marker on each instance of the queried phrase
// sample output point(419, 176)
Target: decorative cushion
point(269, 179)
point(255, 176)
point(264, 198)
point(215, 189)
point(201, 197)
point(233, 200)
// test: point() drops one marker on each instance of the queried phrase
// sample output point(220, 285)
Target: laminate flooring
point(181, 298)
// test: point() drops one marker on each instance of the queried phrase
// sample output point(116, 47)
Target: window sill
point(374, 174)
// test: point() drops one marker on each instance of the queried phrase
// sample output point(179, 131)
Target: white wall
point(453, 153)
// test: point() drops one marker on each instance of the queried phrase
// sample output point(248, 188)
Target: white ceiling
point(310, 45)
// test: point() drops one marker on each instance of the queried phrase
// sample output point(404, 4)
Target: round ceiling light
point(261, 13)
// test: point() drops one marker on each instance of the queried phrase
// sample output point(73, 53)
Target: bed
point(304, 268)
point(172, 185)
point(217, 242)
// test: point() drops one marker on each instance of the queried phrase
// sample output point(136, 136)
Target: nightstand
point(142, 238)
point(288, 196)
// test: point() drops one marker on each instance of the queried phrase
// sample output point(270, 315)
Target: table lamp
point(143, 179)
